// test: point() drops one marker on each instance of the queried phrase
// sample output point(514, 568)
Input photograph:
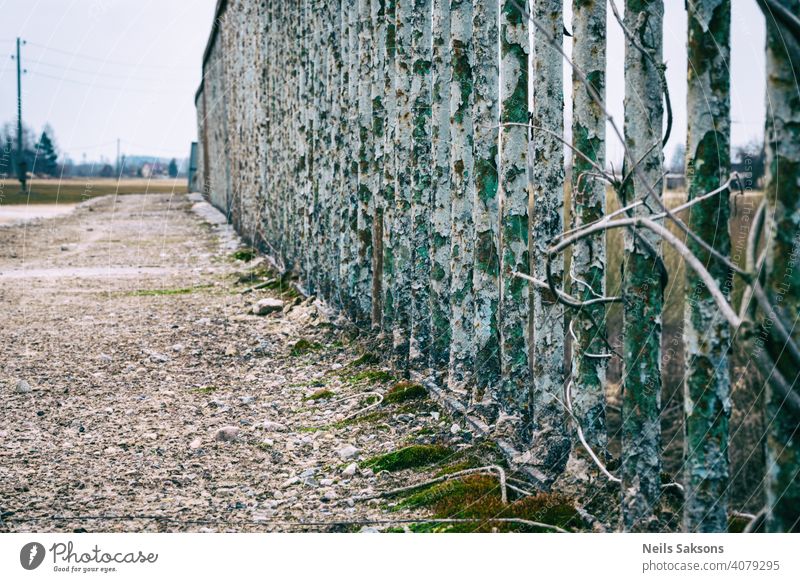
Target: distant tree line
point(40, 155)
point(42, 159)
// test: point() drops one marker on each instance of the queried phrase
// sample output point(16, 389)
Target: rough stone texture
point(551, 444)
point(642, 290)
point(707, 335)
point(202, 152)
point(401, 215)
point(587, 271)
point(440, 212)
point(389, 164)
point(462, 189)
point(513, 393)
point(421, 54)
point(485, 212)
point(349, 95)
point(783, 279)
point(384, 196)
point(215, 98)
point(241, 48)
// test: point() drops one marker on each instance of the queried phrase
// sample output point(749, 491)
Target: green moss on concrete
point(404, 391)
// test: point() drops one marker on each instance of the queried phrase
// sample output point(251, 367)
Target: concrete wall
point(300, 123)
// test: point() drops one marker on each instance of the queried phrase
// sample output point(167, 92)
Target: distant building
point(675, 181)
point(192, 172)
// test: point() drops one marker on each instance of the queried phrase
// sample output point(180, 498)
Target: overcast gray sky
point(99, 70)
point(747, 72)
point(106, 69)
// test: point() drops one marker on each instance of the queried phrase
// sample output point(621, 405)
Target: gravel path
point(128, 345)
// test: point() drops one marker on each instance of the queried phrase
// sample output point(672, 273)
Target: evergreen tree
point(172, 169)
point(46, 156)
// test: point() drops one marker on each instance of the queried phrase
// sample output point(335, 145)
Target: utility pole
point(22, 168)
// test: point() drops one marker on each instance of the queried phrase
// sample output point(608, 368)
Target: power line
point(91, 147)
point(151, 148)
point(71, 69)
point(104, 87)
point(129, 144)
point(107, 61)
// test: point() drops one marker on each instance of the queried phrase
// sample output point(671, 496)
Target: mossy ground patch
point(366, 359)
point(245, 255)
point(370, 377)
point(408, 458)
point(322, 394)
point(403, 391)
point(167, 292)
point(303, 347)
point(478, 497)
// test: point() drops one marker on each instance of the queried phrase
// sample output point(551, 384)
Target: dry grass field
point(73, 190)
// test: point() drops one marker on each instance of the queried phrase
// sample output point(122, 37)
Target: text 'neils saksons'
point(664, 548)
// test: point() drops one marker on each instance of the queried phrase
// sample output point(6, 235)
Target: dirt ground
point(128, 345)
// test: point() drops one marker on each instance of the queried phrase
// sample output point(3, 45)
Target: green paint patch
point(205, 389)
point(408, 458)
point(245, 255)
point(478, 497)
point(322, 394)
point(302, 347)
point(404, 391)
